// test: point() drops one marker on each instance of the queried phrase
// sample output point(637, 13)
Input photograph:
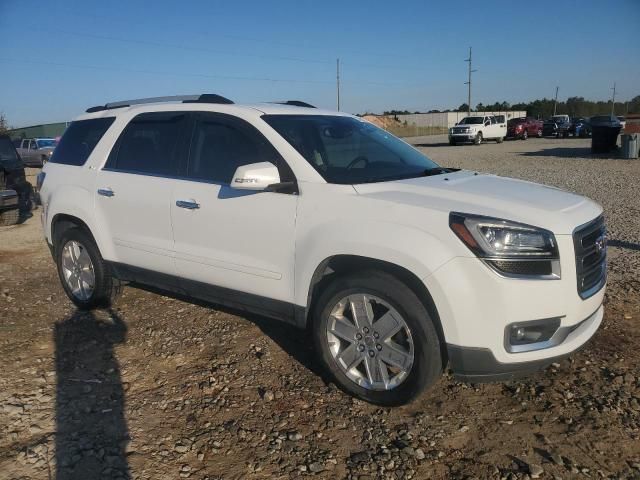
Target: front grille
point(460, 130)
point(590, 243)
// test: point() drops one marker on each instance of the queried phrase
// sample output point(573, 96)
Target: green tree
point(463, 108)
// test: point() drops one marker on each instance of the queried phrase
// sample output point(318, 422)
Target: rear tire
point(9, 217)
point(386, 295)
point(88, 283)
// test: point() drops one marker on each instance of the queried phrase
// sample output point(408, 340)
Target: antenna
point(469, 83)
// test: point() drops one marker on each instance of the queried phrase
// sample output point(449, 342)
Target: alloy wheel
point(77, 269)
point(370, 342)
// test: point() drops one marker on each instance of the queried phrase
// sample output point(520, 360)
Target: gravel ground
point(158, 388)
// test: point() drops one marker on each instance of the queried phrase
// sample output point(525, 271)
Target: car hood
point(491, 195)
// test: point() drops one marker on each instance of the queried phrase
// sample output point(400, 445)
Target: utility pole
point(613, 100)
point(338, 83)
point(469, 83)
point(555, 102)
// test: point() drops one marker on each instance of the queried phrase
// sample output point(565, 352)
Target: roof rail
point(204, 98)
point(296, 103)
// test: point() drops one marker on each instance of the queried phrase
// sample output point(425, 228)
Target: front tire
point(478, 139)
point(525, 135)
point(85, 277)
point(376, 338)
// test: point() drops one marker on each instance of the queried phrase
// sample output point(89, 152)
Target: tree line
point(543, 108)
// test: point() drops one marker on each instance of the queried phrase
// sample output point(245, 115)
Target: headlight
point(511, 248)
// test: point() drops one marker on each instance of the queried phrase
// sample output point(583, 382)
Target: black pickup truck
point(15, 192)
point(556, 126)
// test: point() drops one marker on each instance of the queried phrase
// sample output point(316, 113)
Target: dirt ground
point(157, 388)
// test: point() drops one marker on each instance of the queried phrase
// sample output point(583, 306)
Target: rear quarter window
point(79, 140)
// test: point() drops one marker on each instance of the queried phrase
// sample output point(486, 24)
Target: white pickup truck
point(478, 128)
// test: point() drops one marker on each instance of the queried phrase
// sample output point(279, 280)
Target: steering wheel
point(360, 158)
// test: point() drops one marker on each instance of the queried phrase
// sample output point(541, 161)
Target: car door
point(489, 128)
point(240, 240)
point(24, 152)
point(134, 191)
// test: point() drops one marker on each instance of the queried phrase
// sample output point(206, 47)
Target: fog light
point(527, 333)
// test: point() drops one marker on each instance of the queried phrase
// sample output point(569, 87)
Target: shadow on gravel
point(624, 244)
point(91, 429)
point(295, 341)
point(436, 144)
point(572, 152)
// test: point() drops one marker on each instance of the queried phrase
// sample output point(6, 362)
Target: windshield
point(516, 121)
point(471, 121)
point(559, 119)
point(46, 142)
point(346, 150)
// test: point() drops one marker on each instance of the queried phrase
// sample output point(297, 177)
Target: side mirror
point(255, 176)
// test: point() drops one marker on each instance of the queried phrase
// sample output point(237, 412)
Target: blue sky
point(59, 57)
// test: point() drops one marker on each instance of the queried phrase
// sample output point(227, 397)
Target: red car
point(523, 128)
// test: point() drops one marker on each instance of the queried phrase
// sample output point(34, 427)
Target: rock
point(268, 396)
point(464, 428)
point(535, 470)
point(359, 457)
point(294, 436)
point(181, 448)
point(316, 467)
point(419, 454)
point(13, 410)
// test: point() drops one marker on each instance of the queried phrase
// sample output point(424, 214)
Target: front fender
point(404, 246)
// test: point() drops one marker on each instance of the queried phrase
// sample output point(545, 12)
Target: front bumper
point(8, 199)
point(479, 365)
point(462, 137)
point(476, 305)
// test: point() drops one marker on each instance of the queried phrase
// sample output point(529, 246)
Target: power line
point(205, 49)
point(186, 74)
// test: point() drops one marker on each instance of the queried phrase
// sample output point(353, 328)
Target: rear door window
point(79, 140)
point(149, 145)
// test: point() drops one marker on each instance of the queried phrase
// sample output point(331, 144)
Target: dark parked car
point(556, 126)
point(12, 179)
point(524, 127)
point(580, 127)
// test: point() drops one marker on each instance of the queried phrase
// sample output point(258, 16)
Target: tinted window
point(471, 121)
point(220, 145)
point(8, 155)
point(79, 140)
point(347, 150)
point(149, 144)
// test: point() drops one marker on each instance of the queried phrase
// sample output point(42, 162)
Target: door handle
point(188, 204)
point(106, 192)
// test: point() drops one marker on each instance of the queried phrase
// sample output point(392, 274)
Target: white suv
point(396, 265)
point(476, 129)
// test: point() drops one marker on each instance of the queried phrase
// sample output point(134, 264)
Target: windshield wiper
point(439, 171)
